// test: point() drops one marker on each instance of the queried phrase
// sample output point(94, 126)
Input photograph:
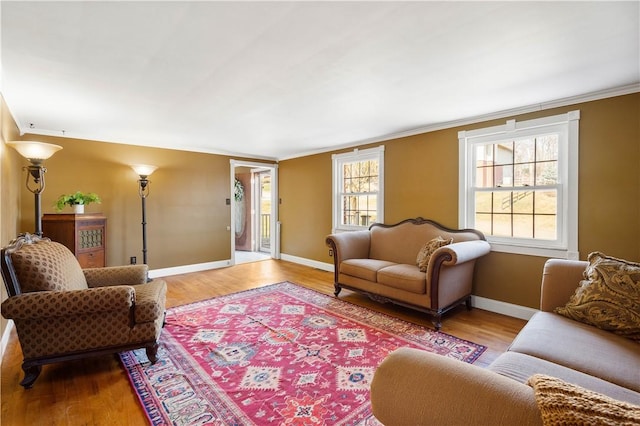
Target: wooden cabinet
point(84, 234)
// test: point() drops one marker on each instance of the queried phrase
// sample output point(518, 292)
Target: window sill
point(535, 251)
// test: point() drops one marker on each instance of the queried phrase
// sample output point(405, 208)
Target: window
point(358, 183)
point(519, 185)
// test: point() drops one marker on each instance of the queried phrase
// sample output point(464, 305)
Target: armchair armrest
point(560, 279)
point(49, 304)
point(414, 387)
point(116, 275)
point(462, 252)
point(350, 245)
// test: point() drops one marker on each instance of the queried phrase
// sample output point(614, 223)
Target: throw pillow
point(608, 297)
point(428, 249)
point(563, 403)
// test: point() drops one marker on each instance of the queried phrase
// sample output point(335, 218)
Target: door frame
point(275, 224)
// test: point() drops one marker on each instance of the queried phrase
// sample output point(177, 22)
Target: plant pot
point(78, 208)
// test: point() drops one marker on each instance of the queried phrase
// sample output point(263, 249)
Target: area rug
point(278, 355)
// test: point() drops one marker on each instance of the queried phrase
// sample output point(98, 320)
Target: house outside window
point(358, 189)
point(519, 185)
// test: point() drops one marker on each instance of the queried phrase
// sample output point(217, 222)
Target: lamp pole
point(144, 171)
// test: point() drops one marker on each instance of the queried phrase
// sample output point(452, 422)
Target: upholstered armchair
point(62, 312)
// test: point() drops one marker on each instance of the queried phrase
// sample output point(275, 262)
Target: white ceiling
point(283, 79)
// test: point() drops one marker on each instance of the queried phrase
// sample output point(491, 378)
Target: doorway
point(254, 226)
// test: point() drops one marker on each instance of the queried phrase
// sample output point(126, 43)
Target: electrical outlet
point(133, 260)
point(331, 252)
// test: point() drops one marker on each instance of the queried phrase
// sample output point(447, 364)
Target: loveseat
point(413, 387)
point(416, 263)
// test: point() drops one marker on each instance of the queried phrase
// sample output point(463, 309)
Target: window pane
point(524, 151)
point(504, 153)
point(546, 202)
point(545, 227)
point(483, 223)
point(547, 173)
point(524, 174)
point(502, 225)
point(503, 175)
point(547, 148)
point(523, 202)
point(483, 202)
point(523, 226)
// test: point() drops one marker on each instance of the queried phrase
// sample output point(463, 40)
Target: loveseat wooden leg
point(468, 303)
point(152, 353)
point(337, 289)
point(31, 373)
point(437, 321)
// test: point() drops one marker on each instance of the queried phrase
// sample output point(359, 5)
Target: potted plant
point(77, 201)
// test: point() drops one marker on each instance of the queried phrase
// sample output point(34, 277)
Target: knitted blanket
point(563, 403)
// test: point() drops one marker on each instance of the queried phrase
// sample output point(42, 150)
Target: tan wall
point(10, 181)
point(421, 179)
point(187, 216)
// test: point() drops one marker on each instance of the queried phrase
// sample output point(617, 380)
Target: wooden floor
point(96, 391)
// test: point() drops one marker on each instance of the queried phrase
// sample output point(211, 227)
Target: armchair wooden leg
point(152, 353)
point(31, 373)
point(468, 303)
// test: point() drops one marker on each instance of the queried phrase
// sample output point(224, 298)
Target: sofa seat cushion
point(404, 277)
point(581, 347)
point(367, 269)
point(520, 367)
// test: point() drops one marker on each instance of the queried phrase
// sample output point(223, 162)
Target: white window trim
point(376, 153)
point(568, 178)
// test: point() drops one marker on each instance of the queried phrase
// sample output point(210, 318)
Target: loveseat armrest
point(50, 304)
point(116, 275)
point(462, 252)
point(414, 387)
point(560, 279)
point(349, 245)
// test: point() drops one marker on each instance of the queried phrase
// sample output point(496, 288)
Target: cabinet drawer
point(91, 259)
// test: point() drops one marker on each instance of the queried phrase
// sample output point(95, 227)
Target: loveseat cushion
point(581, 347)
point(403, 277)
point(520, 367)
point(367, 269)
point(47, 266)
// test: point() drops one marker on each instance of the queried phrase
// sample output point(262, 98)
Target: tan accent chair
point(62, 312)
point(382, 262)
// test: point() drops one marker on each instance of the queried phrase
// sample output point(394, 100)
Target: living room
point(188, 215)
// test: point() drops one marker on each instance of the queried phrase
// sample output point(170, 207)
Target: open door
point(254, 211)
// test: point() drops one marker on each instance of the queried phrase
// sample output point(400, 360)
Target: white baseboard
point(176, 270)
point(307, 262)
point(504, 308)
point(5, 338)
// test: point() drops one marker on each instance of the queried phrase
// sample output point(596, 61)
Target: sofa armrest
point(49, 304)
point(560, 278)
point(414, 387)
point(116, 275)
point(462, 252)
point(350, 245)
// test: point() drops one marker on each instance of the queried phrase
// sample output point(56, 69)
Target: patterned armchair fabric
point(63, 312)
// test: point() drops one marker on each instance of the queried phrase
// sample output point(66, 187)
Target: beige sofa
point(413, 387)
point(382, 263)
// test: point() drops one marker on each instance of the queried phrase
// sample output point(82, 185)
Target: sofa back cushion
point(401, 243)
point(47, 266)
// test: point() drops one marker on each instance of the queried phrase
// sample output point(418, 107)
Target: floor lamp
point(144, 171)
point(36, 153)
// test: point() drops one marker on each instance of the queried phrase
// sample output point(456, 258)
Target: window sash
point(566, 127)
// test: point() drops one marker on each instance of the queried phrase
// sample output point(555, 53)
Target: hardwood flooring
point(96, 391)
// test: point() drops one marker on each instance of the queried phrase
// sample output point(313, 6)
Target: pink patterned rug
point(278, 355)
